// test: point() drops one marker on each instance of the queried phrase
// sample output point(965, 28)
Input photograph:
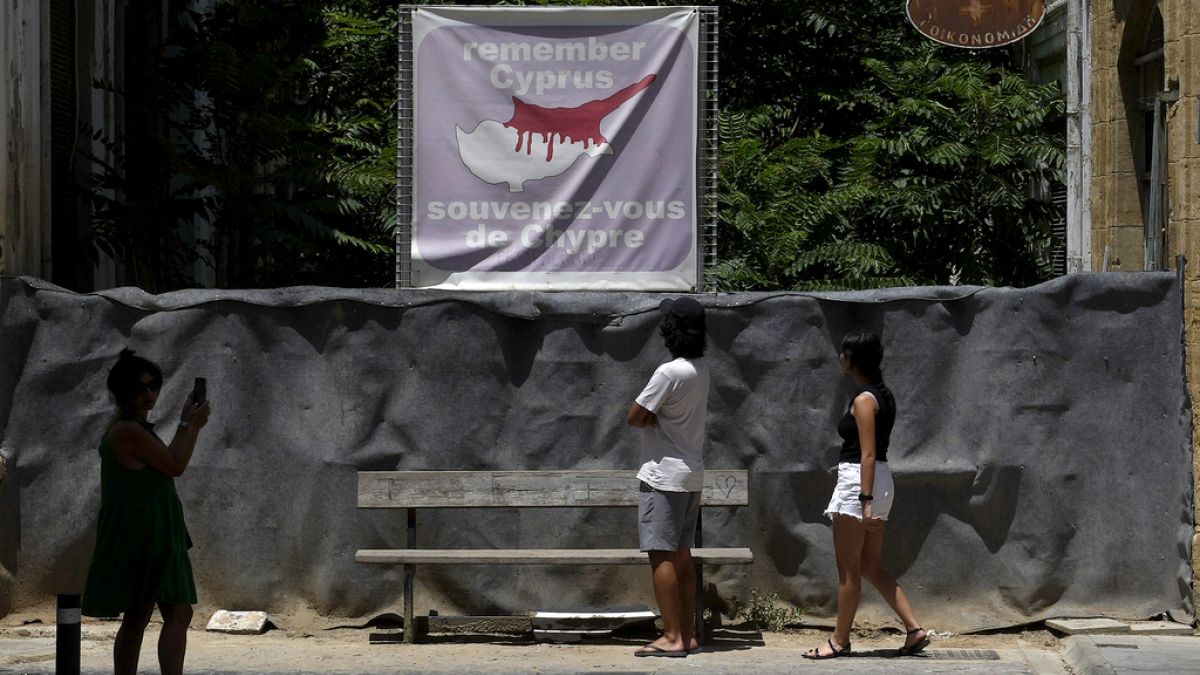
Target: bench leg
point(410, 626)
point(410, 571)
point(701, 632)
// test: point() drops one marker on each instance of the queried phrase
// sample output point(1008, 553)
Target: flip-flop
point(655, 650)
point(816, 654)
point(916, 646)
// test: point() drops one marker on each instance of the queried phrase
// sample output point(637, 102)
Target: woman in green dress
point(141, 557)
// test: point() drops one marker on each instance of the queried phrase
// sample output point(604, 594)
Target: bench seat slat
point(551, 556)
point(476, 489)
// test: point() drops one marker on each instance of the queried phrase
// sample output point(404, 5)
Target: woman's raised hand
point(195, 415)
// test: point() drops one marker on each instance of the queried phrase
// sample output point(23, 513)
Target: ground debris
point(237, 623)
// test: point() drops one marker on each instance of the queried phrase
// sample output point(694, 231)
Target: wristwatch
point(183, 424)
point(865, 498)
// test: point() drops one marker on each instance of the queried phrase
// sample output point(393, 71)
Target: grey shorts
point(667, 520)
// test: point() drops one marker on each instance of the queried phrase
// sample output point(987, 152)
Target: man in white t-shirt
point(670, 412)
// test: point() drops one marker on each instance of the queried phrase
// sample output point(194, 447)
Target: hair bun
point(126, 354)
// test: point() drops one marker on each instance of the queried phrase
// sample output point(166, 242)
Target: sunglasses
point(142, 387)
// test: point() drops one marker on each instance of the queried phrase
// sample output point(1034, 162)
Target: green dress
point(141, 541)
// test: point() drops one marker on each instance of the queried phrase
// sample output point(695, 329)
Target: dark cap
point(685, 310)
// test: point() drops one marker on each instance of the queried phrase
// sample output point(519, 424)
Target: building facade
point(1145, 185)
point(1144, 188)
point(65, 62)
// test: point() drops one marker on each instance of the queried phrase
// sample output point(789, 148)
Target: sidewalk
point(348, 651)
point(30, 649)
point(1106, 654)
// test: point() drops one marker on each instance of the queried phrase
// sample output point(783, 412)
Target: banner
point(555, 149)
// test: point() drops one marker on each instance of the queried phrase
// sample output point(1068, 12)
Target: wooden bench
point(414, 490)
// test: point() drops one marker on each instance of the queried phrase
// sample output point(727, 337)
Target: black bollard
point(67, 635)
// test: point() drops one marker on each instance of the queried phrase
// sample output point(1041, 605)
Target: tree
point(854, 152)
point(892, 161)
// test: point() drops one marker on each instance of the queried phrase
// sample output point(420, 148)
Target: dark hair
point(865, 352)
point(683, 338)
point(125, 378)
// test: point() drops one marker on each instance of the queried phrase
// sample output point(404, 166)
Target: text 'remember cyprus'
point(538, 142)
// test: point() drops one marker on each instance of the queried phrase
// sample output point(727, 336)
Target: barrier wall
point(1042, 449)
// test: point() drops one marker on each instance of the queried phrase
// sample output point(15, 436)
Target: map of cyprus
point(540, 142)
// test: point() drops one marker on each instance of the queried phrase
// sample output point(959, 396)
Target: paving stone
point(1087, 626)
point(237, 623)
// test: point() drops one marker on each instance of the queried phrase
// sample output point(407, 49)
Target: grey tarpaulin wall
point(1042, 452)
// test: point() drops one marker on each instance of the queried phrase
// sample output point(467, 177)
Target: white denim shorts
point(849, 484)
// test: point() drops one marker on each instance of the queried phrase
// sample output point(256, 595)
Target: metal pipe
point(1079, 137)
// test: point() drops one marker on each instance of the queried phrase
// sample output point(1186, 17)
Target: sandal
point(909, 650)
point(655, 650)
point(816, 655)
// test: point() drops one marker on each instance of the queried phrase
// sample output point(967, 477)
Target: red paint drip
point(567, 125)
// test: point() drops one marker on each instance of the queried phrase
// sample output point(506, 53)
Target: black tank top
point(885, 419)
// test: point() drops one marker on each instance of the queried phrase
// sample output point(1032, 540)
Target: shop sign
point(976, 24)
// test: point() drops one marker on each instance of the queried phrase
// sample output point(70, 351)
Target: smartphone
point(200, 391)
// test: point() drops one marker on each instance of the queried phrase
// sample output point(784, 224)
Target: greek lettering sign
point(976, 24)
point(555, 148)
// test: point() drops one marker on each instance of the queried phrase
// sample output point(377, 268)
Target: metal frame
point(707, 109)
point(404, 147)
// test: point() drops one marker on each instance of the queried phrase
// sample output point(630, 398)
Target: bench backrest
point(473, 489)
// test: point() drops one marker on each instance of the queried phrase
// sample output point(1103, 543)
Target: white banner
point(555, 149)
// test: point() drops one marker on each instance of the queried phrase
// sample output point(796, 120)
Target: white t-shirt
point(673, 451)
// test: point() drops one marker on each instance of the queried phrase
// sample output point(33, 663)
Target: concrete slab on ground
point(1093, 626)
point(1087, 626)
point(1109, 654)
point(1159, 628)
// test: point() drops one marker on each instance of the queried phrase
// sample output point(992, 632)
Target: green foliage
point(782, 210)
point(766, 612)
point(911, 163)
point(360, 128)
point(854, 153)
point(953, 157)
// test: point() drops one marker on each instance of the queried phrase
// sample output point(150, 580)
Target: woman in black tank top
point(863, 498)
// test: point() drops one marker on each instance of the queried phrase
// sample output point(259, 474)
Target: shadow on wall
point(986, 499)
